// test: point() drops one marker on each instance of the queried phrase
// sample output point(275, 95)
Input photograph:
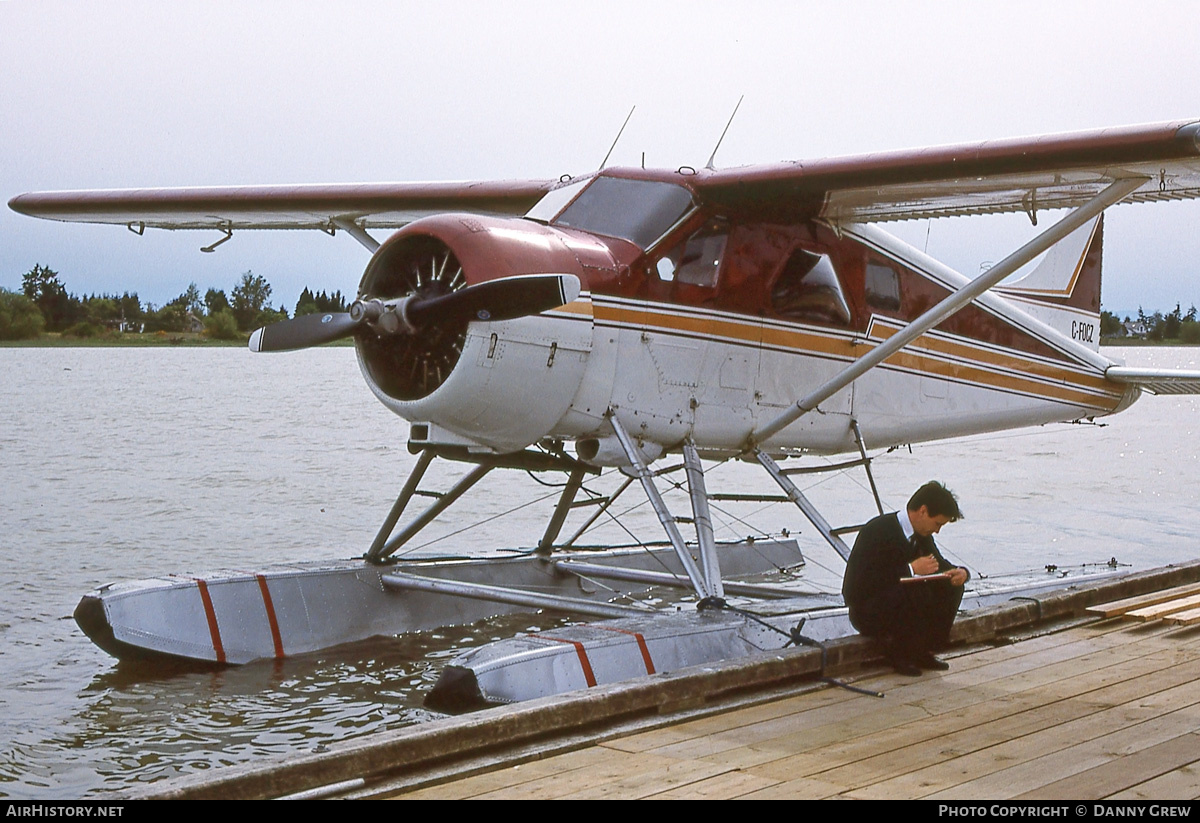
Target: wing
point(1157, 381)
point(1028, 174)
point(374, 205)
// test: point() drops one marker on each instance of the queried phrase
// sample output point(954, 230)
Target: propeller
point(505, 299)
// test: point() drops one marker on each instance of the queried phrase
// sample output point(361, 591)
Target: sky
point(130, 94)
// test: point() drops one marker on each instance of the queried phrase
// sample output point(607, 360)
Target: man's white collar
point(905, 524)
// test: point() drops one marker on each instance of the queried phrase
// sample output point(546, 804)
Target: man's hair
point(937, 500)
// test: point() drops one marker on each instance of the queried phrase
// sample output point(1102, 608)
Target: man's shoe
point(904, 666)
point(928, 661)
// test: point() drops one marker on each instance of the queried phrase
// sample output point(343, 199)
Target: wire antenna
point(604, 162)
point(713, 156)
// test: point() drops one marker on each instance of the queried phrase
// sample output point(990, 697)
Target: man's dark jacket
point(879, 603)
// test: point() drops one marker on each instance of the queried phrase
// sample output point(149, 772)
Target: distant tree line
point(1175, 325)
point(44, 304)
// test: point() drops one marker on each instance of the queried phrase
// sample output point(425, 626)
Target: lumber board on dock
point(1161, 610)
point(1119, 607)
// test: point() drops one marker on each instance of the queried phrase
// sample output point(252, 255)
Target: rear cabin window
point(808, 289)
point(882, 287)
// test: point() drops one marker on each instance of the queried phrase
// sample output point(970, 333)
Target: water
point(128, 463)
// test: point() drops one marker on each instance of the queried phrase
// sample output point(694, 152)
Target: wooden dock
point(1106, 710)
point(1063, 695)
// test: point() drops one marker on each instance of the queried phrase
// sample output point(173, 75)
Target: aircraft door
point(808, 340)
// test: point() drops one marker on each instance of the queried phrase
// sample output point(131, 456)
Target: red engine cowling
point(504, 394)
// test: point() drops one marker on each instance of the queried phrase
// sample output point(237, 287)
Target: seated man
point(909, 617)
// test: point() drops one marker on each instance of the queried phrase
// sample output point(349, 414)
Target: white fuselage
point(672, 371)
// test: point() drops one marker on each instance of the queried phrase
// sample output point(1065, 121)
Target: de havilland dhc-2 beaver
point(631, 314)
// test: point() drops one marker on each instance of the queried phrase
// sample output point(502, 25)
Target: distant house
point(122, 325)
point(1135, 328)
point(193, 323)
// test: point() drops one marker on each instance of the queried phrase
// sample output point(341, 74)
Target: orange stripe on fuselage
point(1030, 376)
point(954, 348)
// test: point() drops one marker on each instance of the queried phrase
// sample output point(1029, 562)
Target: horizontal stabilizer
point(1157, 381)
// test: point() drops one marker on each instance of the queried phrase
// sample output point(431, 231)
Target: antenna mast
point(619, 133)
point(713, 156)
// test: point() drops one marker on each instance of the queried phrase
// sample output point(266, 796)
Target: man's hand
point(926, 565)
point(958, 576)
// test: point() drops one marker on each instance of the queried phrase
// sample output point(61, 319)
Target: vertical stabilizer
point(1064, 289)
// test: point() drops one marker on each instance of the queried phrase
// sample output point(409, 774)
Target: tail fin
point(1064, 289)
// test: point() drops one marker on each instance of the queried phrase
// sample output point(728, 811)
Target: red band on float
point(581, 652)
point(210, 613)
point(641, 641)
point(266, 596)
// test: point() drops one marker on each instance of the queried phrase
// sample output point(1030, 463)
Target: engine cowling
point(501, 384)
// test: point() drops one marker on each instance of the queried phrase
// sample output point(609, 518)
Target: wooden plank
point(996, 769)
point(877, 727)
point(1120, 774)
point(611, 771)
point(1158, 610)
point(987, 701)
point(1120, 607)
point(1056, 762)
point(511, 776)
point(646, 782)
point(912, 747)
point(727, 786)
point(1188, 618)
point(1182, 783)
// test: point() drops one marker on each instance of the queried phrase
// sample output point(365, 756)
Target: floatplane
point(628, 315)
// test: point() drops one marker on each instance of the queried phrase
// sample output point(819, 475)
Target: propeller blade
point(505, 299)
point(303, 332)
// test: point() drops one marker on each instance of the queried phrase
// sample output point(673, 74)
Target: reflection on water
point(126, 463)
point(140, 722)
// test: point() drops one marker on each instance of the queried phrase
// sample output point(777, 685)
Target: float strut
point(406, 493)
point(660, 508)
point(703, 520)
point(560, 511)
point(440, 505)
point(603, 508)
point(802, 503)
point(866, 461)
point(503, 594)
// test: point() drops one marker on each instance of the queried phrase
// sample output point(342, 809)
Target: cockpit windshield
point(640, 211)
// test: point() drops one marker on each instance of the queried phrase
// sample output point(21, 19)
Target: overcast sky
point(118, 94)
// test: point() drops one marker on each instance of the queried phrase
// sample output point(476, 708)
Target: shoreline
point(55, 340)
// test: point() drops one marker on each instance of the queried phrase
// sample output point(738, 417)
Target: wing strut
point(952, 303)
point(350, 227)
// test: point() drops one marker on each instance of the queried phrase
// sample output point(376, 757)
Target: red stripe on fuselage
point(211, 614)
point(266, 596)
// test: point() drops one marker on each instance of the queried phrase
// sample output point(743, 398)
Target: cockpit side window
point(808, 289)
point(697, 261)
point(555, 200)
